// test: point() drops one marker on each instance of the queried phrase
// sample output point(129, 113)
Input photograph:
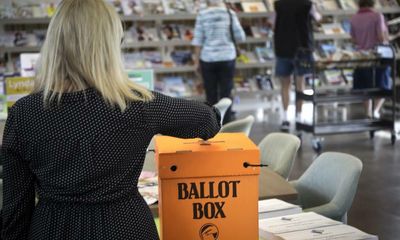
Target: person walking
point(292, 33)
point(216, 32)
point(368, 30)
point(79, 140)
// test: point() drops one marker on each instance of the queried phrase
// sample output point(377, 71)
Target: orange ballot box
point(208, 190)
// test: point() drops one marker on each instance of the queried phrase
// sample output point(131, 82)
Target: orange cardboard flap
point(224, 155)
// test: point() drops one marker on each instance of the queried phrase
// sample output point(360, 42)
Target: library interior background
point(158, 52)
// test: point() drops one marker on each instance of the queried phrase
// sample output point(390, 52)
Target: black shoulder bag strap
point(232, 31)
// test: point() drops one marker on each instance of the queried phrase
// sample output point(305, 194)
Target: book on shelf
point(327, 5)
point(332, 28)
point(181, 57)
point(270, 227)
point(260, 31)
point(175, 6)
point(264, 82)
point(348, 4)
point(141, 33)
point(246, 57)
point(28, 64)
point(333, 77)
point(264, 54)
point(270, 5)
point(175, 87)
point(186, 32)
point(342, 232)
point(254, 7)
point(152, 7)
point(389, 3)
point(170, 32)
point(131, 7)
point(235, 6)
point(346, 25)
point(274, 207)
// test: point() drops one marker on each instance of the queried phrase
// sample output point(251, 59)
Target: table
point(272, 185)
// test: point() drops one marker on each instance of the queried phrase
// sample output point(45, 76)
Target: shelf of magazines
point(190, 68)
point(133, 18)
point(135, 45)
point(385, 10)
point(178, 43)
point(190, 16)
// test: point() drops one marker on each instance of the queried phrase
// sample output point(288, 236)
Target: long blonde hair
point(83, 50)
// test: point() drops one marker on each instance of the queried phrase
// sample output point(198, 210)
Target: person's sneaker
point(377, 115)
point(285, 127)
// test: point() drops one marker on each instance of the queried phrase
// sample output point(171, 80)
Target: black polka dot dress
point(83, 160)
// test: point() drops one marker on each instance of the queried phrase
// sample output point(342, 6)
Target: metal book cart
point(385, 56)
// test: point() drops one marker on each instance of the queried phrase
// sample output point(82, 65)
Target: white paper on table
point(296, 222)
point(271, 205)
point(276, 208)
point(337, 232)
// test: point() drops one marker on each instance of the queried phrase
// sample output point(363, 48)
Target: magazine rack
point(319, 97)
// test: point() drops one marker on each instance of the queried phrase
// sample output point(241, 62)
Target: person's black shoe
point(285, 127)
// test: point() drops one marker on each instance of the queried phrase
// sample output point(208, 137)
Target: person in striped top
point(215, 50)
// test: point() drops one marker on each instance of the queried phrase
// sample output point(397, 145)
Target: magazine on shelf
point(348, 4)
point(174, 6)
point(342, 232)
point(186, 32)
point(327, 5)
point(254, 7)
point(389, 3)
point(332, 28)
point(152, 7)
point(270, 5)
point(28, 64)
point(142, 34)
point(132, 7)
point(260, 31)
point(346, 25)
point(274, 207)
point(170, 32)
point(175, 87)
point(181, 57)
point(235, 6)
point(333, 77)
point(264, 54)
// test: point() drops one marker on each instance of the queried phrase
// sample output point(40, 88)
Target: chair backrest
point(278, 151)
point(243, 125)
point(331, 178)
point(223, 106)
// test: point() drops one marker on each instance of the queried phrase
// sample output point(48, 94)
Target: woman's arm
point(18, 185)
point(182, 118)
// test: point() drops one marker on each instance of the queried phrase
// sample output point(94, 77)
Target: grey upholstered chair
point(278, 151)
point(329, 185)
point(243, 125)
point(223, 106)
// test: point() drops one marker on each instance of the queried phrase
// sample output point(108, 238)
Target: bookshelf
point(251, 68)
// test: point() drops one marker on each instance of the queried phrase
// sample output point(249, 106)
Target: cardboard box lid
point(221, 142)
point(225, 155)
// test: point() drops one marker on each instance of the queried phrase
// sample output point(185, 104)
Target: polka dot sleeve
point(182, 118)
point(18, 191)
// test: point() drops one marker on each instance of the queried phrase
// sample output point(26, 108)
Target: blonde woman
point(80, 139)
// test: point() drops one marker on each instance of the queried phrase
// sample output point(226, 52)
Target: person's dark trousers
point(218, 82)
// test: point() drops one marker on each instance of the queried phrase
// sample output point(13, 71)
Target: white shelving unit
point(154, 18)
